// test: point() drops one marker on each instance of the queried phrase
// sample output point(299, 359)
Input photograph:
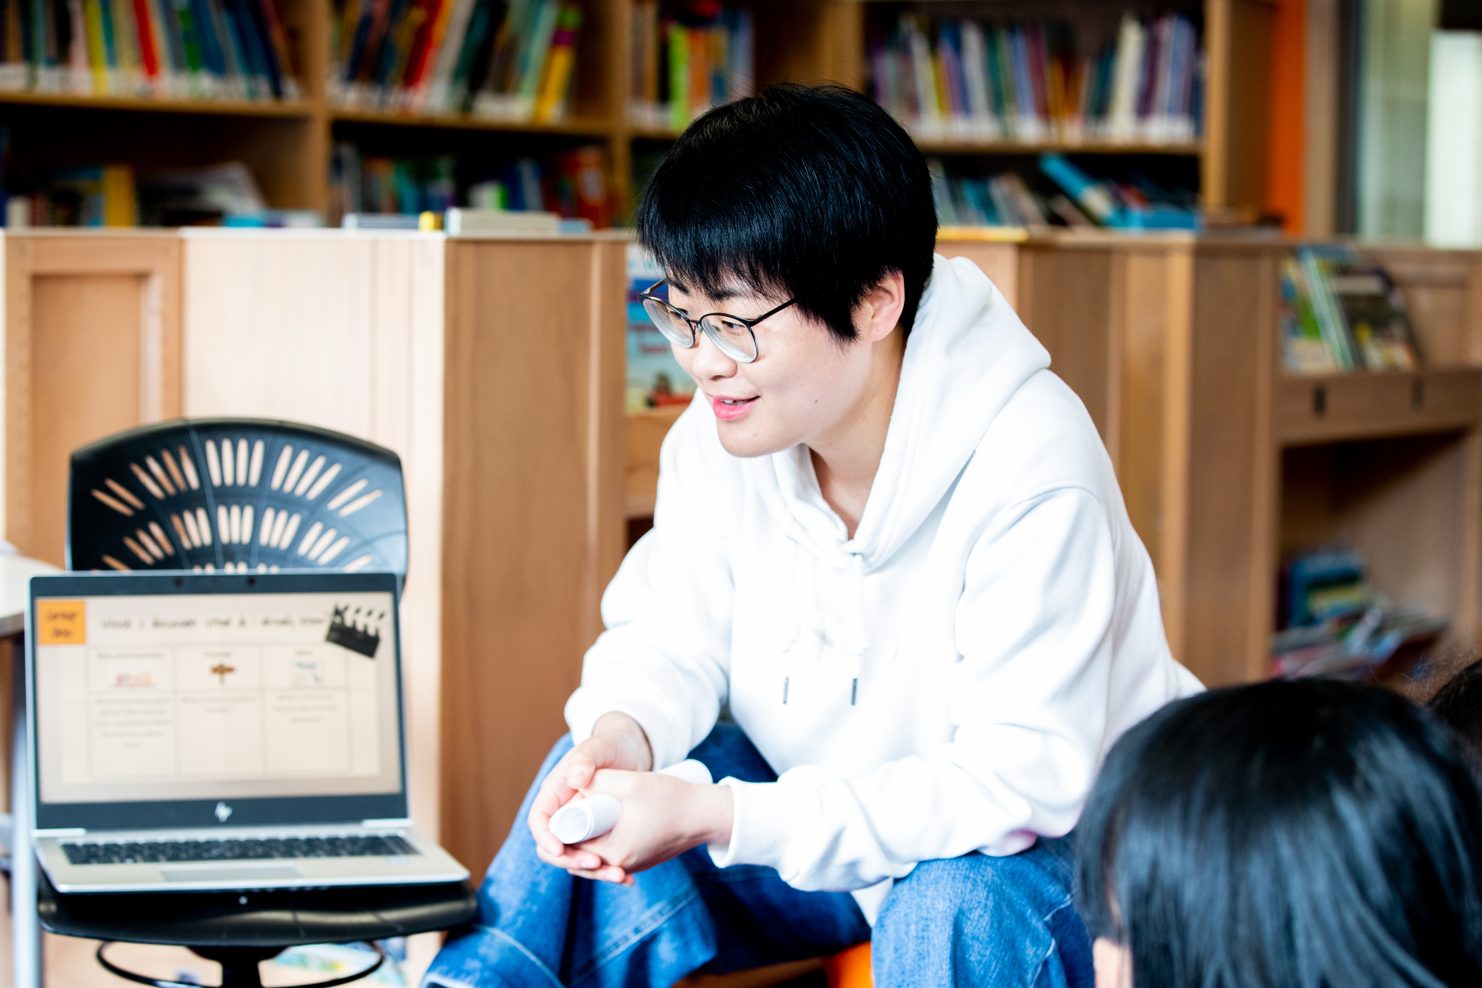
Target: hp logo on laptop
point(223, 811)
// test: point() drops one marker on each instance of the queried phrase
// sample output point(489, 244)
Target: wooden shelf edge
point(581, 127)
point(952, 146)
point(222, 107)
point(1359, 406)
point(669, 412)
point(639, 505)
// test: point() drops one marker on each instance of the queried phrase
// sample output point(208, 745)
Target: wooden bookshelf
point(1228, 464)
point(287, 146)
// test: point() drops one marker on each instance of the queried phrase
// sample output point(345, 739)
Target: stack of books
point(1060, 195)
point(686, 62)
point(161, 49)
point(959, 79)
point(372, 184)
point(89, 195)
point(513, 61)
point(572, 184)
point(1340, 315)
point(1335, 624)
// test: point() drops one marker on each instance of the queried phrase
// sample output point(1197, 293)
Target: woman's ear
point(880, 312)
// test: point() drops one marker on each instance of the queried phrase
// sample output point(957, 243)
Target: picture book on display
point(1340, 314)
point(655, 379)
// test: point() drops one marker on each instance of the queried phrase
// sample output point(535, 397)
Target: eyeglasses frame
point(695, 324)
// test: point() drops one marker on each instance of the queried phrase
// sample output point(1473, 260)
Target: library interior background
point(1249, 232)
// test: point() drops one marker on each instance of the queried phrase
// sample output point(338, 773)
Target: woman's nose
point(709, 361)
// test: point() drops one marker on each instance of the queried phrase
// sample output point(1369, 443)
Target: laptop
point(220, 731)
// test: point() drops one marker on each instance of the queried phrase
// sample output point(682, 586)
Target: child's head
point(806, 215)
point(1310, 834)
point(1458, 705)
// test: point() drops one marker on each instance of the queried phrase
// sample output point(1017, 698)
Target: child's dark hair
point(1303, 834)
point(1458, 705)
point(799, 192)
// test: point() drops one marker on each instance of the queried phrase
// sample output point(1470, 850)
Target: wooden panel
point(1237, 41)
point(1152, 449)
point(346, 333)
point(810, 41)
point(1224, 555)
point(1320, 113)
point(1440, 289)
point(999, 261)
point(1402, 503)
point(1325, 409)
point(517, 563)
point(92, 348)
point(280, 326)
point(85, 384)
point(1075, 325)
point(646, 432)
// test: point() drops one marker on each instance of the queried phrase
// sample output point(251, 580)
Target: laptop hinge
point(60, 832)
point(387, 823)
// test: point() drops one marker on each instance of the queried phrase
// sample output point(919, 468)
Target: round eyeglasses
point(732, 335)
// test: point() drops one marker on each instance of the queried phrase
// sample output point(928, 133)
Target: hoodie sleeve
point(663, 659)
point(1034, 630)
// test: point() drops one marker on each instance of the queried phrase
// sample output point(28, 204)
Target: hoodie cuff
point(586, 707)
point(758, 825)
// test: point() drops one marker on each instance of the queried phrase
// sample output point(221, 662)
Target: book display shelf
point(625, 91)
point(1230, 465)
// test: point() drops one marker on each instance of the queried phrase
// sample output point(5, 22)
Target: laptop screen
point(202, 694)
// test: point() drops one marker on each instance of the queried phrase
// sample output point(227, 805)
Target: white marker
point(592, 816)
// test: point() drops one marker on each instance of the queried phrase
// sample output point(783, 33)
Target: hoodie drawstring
point(807, 624)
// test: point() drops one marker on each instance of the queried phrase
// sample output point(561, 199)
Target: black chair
point(241, 495)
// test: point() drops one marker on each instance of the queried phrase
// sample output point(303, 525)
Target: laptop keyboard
point(257, 849)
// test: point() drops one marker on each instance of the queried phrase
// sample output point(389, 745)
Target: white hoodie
point(948, 680)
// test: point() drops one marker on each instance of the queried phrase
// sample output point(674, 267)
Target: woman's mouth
point(730, 409)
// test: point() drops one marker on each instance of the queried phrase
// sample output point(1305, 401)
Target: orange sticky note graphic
point(61, 622)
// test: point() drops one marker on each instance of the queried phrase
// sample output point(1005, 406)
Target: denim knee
point(981, 920)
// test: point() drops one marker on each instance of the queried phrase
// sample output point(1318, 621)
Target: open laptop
point(220, 731)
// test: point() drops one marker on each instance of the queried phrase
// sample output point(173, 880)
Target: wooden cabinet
point(492, 367)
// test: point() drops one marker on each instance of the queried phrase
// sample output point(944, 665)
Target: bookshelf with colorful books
point(277, 85)
point(1149, 86)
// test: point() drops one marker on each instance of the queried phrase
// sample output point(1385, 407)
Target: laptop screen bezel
point(202, 813)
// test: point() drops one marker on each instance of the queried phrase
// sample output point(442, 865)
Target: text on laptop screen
point(207, 696)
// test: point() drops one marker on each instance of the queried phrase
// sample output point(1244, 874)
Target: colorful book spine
point(1024, 81)
point(555, 87)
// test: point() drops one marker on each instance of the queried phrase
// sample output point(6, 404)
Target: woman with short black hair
point(889, 542)
point(1304, 834)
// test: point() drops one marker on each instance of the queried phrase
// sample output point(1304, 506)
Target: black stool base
point(239, 967)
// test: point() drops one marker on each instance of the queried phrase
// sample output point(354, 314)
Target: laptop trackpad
point(230, 873)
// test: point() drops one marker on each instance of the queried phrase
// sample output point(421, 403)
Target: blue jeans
point(974, 920)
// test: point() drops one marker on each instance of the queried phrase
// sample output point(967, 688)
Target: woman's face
point(803, 386)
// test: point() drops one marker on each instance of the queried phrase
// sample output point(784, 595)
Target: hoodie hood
point(967, 354)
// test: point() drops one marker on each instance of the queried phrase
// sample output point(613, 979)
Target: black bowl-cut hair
point(1458, 705)
point(813, 193)
point(1302, 834)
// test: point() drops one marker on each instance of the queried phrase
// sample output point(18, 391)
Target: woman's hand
point(662, 817)
point(617, 742)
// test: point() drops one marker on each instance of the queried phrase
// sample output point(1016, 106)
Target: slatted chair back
point(236, 495)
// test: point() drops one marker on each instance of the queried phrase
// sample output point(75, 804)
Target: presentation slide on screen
point(195, 696)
